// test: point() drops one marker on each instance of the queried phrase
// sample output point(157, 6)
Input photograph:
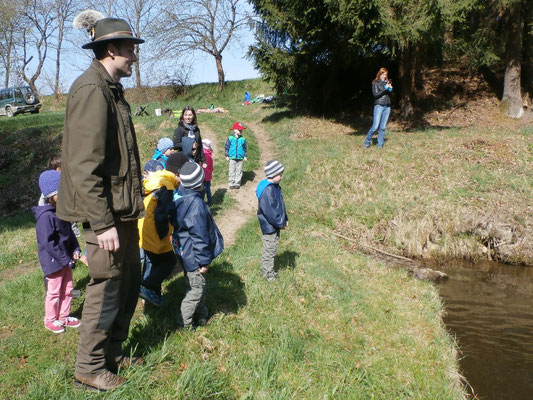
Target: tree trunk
point(220, 70)
point(511, 104)
point(137, 69)
point(407, 77)
point(58, 61)
point(527, 63)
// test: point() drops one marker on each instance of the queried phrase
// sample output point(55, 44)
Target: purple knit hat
point(49, 183)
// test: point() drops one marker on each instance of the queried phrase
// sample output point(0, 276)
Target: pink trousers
point(58, 295)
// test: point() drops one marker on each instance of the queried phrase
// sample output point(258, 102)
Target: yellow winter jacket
point(149, 234)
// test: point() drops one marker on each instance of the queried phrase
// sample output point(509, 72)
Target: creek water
point(490, 312)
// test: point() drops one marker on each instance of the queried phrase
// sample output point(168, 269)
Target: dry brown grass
point(434, 194)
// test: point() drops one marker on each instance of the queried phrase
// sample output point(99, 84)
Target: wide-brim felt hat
point(108, 29)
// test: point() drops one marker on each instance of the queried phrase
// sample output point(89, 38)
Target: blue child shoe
point(150, 296)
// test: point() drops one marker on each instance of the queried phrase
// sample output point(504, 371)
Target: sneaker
point(55, 326)
point(150, 296)
point(104, 381)
point(272, 277)
point(71, 322)
point(186, 327)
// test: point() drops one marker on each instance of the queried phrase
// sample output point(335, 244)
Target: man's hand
point(109, 240)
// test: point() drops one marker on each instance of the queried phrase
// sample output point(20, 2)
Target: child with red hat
point(236, 152)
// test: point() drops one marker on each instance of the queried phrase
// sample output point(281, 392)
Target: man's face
point(124, 58)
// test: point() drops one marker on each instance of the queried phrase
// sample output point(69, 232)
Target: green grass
point(338, 324)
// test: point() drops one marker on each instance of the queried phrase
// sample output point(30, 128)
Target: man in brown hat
point(101, 187)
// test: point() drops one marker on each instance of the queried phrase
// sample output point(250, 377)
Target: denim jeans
point(381, 117)
point(157, 268)
point(207, 189)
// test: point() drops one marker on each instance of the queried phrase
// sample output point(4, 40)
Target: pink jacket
point(208, 171)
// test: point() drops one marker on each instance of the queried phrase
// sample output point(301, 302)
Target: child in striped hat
point(200, 242)
point(272, 216)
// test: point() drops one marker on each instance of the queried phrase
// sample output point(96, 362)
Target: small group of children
point(174, 188)
point(236, 151)
point(174, 206)
point(155, 229)
point(58, 251)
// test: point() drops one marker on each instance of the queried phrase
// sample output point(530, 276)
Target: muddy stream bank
point(489, 309)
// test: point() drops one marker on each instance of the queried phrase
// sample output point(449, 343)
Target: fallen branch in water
point(418, 272)
point(373, 248)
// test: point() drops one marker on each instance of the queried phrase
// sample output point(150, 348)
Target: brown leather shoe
point(125, 362)
point(104, 381)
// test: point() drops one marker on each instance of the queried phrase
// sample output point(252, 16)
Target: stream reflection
point(490, 311)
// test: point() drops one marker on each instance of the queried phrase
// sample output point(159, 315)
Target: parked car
point(18, 100)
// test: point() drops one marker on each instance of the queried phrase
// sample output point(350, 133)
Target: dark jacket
point(180, 132)
point(271, 210)
point(56, 243)
point(198, 235)
point(186, 146)
point(100, 172)
point(381, 95)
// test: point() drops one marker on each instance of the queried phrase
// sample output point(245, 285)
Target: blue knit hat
point(164, 144)
point(49, 183)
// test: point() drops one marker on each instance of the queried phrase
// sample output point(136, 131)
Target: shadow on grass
point(218, 199)
point(17, 221)
point(286, 260)
point(225, 294)
point(247, 176)
point(280, 115)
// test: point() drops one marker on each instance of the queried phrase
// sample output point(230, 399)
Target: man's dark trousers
point(110, 299)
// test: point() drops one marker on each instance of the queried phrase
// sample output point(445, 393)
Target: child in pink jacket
point(208, 169)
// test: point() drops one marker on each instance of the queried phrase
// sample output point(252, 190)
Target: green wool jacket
point(100, 168)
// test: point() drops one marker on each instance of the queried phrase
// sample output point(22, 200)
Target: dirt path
point(230, 221)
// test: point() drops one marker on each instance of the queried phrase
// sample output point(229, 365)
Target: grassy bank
point(338, 324)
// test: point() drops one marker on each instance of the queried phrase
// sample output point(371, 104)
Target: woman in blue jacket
point(381, 88)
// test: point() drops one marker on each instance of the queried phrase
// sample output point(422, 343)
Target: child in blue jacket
point(200, 242)
point(272, 216)
point(58, 251)
point(236, 151)
point(165, 147)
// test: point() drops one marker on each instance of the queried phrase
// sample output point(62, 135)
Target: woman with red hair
point(381, 87)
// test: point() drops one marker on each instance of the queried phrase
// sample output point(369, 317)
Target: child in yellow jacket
point(155, 229)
